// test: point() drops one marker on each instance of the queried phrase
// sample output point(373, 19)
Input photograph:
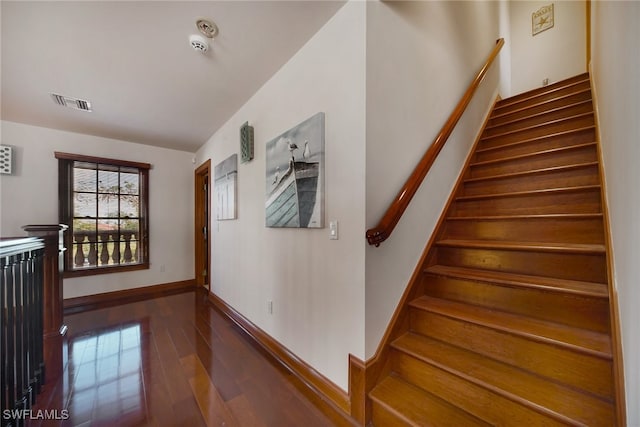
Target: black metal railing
point(21, 333)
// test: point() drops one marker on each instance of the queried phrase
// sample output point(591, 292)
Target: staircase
point(509, 324)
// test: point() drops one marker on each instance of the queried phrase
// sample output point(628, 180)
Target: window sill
point(105, 270)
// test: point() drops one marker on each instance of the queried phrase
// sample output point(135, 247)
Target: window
point(105, 204)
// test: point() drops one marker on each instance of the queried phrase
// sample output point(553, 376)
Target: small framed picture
point(542, 19)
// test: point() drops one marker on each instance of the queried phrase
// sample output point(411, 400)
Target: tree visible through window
point(104, 202)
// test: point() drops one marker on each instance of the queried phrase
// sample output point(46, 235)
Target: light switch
point(333, 230)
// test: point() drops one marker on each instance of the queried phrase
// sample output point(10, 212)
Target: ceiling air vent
point(75, 103)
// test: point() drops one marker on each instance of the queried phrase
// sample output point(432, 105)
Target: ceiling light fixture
point(207, 28)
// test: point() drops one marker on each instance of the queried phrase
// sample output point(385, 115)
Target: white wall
point(316, 284)
point(557, 53)
point(421, 57)
point(616, 67)
point(30, 196)
point(505, 54)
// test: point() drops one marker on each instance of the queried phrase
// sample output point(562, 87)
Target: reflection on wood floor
point(171, 361)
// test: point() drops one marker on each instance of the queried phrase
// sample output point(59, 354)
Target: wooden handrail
point(394, 212)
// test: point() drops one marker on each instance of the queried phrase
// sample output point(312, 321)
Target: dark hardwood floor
point(171, 361)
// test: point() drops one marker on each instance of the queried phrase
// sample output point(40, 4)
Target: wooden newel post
point(54, 329)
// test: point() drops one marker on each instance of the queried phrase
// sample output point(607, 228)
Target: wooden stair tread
point(581, 248)
point(532, 172)
point(418, 407)
point(538, 104)
point(535, 93)
point(529, 128)
point(529, 192)
point(538, 138)
point(534, 154)
point(542, 113)
point(579, 340)
point(532, 97)
point(517, 385)
point(537, 216)
point(510, 317)
point(590, 289)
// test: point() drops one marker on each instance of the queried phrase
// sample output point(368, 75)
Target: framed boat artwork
point(295, 176)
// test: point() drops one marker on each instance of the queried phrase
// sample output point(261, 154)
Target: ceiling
point(133, 62)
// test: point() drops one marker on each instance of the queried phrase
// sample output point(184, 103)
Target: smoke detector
point(198, 43)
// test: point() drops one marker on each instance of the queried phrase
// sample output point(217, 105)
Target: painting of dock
point(295, 176)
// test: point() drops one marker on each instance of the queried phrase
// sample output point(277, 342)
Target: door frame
point(202, 218)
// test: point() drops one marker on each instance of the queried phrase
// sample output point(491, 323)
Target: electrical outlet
point(545, 82)
point(161, 268)
point(270, 307)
